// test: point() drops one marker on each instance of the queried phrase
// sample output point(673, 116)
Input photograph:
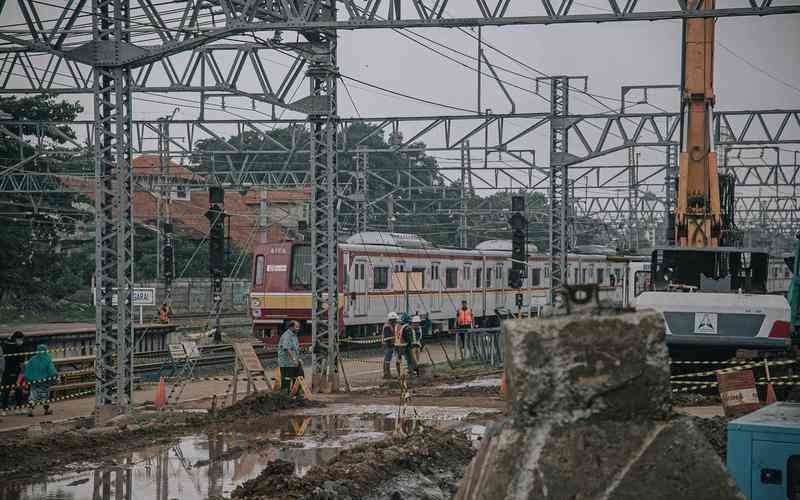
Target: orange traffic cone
point(503, 387)
point(771, 397)
point(160, 399)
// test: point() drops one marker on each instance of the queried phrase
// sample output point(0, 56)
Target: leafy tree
point(33, 229)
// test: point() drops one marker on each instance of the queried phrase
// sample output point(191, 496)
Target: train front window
point(300, 273)
point(259, 274)
point(536, 276)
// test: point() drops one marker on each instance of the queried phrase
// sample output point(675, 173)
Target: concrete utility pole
point(165, 256)
point(466, 174)
point(633, 199)
point(262, 215)
point(390, 212)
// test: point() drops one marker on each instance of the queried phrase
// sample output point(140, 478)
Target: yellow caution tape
point(76, 395)
point(733, 369)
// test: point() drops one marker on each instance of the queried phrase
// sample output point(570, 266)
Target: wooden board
point(177, 352)
point(738, 392)
point(191, 349)
point(248, 357)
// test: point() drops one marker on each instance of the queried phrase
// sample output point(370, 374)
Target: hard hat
point(392, 315)
point(415, 319)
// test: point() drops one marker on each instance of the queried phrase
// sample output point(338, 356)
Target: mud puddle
point(199, 466)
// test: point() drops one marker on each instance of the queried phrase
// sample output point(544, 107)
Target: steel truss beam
point(199, 23)
point(222, 70)
point(749, 209)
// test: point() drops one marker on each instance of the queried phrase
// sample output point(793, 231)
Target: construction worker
point(416, 340)
point(40, 373)
point(164, 312)
point(402, 347)
point(14, 363)
point(387, 342)
point(465, 320)
point(289, 362)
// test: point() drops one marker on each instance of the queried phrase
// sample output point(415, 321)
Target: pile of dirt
point(262, 404)
point(715, 429)
point(695, 399)
point(24, 456)
point(471, 391)
point(358, 472)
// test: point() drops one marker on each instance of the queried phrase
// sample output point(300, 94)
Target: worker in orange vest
point(464, 321)
point(164, 312)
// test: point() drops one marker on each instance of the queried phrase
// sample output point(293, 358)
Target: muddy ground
point(50, 448)
point(29, 454)
point(715, 430)
point(429, 462)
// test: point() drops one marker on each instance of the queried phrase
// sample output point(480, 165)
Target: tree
point(33, 229)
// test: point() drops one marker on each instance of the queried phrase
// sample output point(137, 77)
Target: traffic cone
point(771, 397)
point(160, 399)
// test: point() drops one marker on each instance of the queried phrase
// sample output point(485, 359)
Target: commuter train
point(384, 272)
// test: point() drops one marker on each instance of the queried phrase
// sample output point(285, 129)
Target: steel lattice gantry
point(324, 228)
point(113, 210)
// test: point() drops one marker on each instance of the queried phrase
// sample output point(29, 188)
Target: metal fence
point(483, 345)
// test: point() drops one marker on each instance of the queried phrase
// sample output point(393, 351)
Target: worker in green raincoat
point(40, 372)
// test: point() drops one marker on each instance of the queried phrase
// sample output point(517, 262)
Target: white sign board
point(705, 323)
point(139, 296)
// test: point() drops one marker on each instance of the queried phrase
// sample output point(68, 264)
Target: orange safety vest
point(163, 314)
point(385, 339)
point(464, 317)
point(398, 336)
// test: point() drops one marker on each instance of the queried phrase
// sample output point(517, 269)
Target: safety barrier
point(483, 345)
point(748, 365)
point(48, 401)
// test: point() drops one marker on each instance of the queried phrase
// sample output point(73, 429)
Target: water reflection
point(211, 464)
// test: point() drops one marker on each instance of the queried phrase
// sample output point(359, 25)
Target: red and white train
point(384, 272)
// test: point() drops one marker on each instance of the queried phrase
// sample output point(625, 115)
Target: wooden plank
point(248, 357)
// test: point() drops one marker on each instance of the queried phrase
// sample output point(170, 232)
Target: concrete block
point(590, 418)
point(573, 367)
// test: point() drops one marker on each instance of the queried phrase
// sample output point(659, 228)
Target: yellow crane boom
point(698, 218)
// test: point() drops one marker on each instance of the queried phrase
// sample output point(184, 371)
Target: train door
point(436, 288)
point(358, 287)
point(638, 282)
point(499, 294)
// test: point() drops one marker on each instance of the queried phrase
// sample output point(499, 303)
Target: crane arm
point(698, 215)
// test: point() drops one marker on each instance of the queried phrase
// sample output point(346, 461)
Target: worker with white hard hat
point(387, 342)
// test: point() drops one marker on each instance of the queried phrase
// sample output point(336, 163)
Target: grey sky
point(611, 54)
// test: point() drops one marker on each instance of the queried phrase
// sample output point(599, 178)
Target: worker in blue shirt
point(289, 362)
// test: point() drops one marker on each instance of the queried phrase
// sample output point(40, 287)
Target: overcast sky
point(757, 67)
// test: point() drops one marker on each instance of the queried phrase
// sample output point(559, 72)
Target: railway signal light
point(519, 242)
point(216, 233)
